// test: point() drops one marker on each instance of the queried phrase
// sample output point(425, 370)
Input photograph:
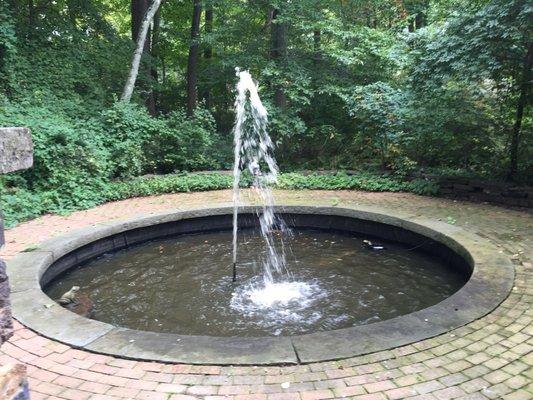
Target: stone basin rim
point(489, 284)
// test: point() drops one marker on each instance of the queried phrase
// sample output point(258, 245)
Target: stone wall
point(502, 193)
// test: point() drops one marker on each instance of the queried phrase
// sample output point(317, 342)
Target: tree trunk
point(163, 70)
point(155, 41)
point(208, 52)
point(522, 102)
point(420, 20)
point(155, 53)
point(192, 64)
point(278, 52)
point(31, 15)
point(138, 11)
point(317, 56)
point(141, 40)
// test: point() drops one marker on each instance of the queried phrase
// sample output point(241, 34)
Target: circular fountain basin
point(183, 284)
point(161, 286)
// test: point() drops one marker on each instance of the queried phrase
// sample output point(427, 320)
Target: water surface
point(183, 285)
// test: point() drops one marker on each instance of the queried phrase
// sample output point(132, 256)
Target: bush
point(361, 181)
point(183, 143)
point(21, 204)
point(147, 186)
point(69, 163)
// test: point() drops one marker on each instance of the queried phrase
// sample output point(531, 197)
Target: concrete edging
point(490, 282)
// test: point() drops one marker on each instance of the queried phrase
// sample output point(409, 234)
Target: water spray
point(253, 150)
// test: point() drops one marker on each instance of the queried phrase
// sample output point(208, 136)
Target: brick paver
point(490, 358)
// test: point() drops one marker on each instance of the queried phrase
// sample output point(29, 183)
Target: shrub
point(183, 143)
point(22, 204)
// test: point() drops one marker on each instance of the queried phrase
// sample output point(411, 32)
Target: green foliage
point(455, 127)
point(59, 145)
point(138, 143)
point(129, 128)
point(378, 110)
point(184, 143)
point(179, 183)
point(372, 85)
point(21, 204)
point(8, 43)
point(465, 76)
point(487, 44)
point(360, 181)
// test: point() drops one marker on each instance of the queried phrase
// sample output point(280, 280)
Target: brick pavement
point(490, 358)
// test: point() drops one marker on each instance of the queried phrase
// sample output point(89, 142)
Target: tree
point(416, 13)
point(524, 99)
point(138, 11)
point(490, 48)
point(278, 52)
point(192, 64)
point(155, 53)
point(136, 60)
point(208, 51)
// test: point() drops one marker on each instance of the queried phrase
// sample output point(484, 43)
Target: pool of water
point(183, 285)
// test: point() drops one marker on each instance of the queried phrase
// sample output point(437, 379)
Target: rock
point(16, 149)
point(83, 305)
point(463, 187)
point(13, 382)
point(516, 194)
point(6, 322)
point(16, 153)
point(70, 296)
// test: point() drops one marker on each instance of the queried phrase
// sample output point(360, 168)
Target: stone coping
point(489, 284)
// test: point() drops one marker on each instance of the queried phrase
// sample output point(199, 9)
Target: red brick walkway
point(490, 358)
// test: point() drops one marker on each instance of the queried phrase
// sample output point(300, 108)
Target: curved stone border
point(488, 286)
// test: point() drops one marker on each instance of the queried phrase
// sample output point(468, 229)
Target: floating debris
point(367, 244)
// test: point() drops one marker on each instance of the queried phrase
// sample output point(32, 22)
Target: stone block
point(16, 149)
point(6, 322)
point(514, 194)
point(446, 191)
point(13, 382)
point(489, 185)
point(16, 153)
point(455, 179)
point(463, 187)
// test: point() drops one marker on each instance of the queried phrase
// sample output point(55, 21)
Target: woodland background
point(388, 88)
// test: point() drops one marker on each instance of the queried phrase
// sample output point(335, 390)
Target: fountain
point(306, 274)
point(253, 152)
